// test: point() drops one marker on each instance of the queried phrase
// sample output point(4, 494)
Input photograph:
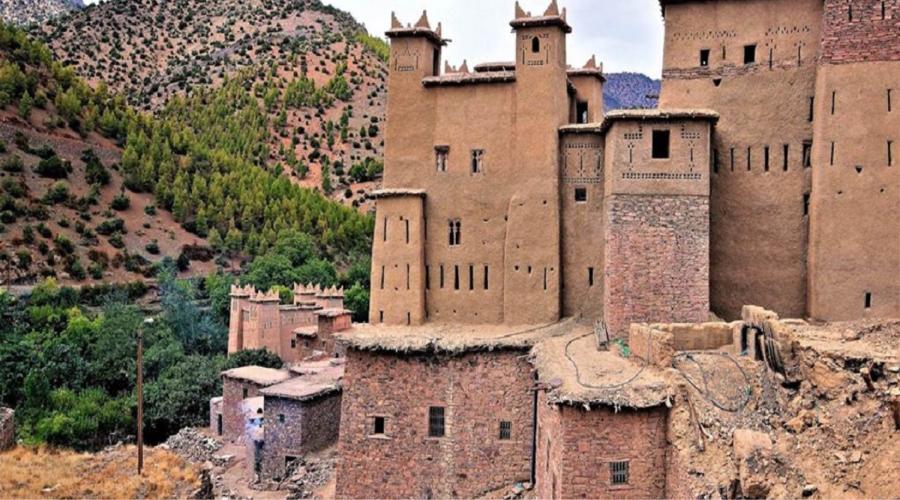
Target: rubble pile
point(193, 445)
point(308, 475)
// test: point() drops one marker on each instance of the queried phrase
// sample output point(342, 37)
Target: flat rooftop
point(312, 380)
point(576, 373)
point(257, 375)
point(878, 340)
point(450, 338)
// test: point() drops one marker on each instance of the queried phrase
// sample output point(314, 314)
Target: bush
point(58, 192)
point(13, 164)
point(53, 168)
point(120, 202)
point(150, 210)
point(110, 226)
point(253, 357)
point(116, 241)
point(63, 245)
point(152, 248)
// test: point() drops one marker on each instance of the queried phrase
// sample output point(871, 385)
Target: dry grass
point(48, 473)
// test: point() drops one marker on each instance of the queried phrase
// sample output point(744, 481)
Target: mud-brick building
point(301, 415)
point(294, 332)
point(239, 387)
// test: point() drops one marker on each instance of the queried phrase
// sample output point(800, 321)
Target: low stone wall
point(657, 344)
point(7, 428)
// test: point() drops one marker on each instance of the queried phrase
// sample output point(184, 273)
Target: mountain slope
point(630, 91)
point(22, 12)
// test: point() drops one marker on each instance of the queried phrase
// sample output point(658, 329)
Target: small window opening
point(442, 276)
point(535, 45)
point(704, 57)
point(407, 276)
point(590, 276)
point(724, 52)
point(580, 195)
point(890, 153)
point(441, 156)
point(293, 343)
point(456, 277)
point(618, 472)
point(868, 300)
point(407, 230)
point(408, 323)
point(477, 161)
point(831, 161)
point(505, 430)
point(850, 12)
point(771, 57)
point(732, 159)
point(436, 422)
point(381, 316)
point(244, 393)
point(805, 204)
point(428, 277)
point(807, 154)
point(883, 10)
point(454, 228)
point(581, 112)
point(471, 277)
point(812, 106)
point(766, 158)
point(833, 101)
point(717, 81)
point(486, 273)
point(384, 230)
point(800, 55)
point(436, 62)
point(382, 277)
point(378, 426)
point(281, 418)
point(749, 153)
point(661, 144)
point(545, 278)
point(749, 54)
point(787, 150)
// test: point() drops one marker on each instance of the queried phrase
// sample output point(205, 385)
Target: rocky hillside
point(22, 12)
point(630, 91)
point(313, 68)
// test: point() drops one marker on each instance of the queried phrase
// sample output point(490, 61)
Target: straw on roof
point(257, 375)
point(470, 78)
point(307, 331)
point(447, 338)
point(578, 374)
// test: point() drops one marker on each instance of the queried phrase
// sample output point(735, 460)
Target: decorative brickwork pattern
point(477, 392)
point(657, 261)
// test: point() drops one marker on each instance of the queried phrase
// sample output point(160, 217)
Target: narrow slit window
point(850, 12)
point(381, 316)
point(407, 230)
point(486, 274)
point(436, 428)
point(771, 57)
point(750, 54)
point(807, 154)
point(749, 158)
point(456, 277)
point(382, 277)
point(661, 144)
point(732, 159)
point(428, 277)
point(831, 161)
point(868, 300)
point(477, 161)
point(378, 426)
point(590, 276)
point(724, 52)
point(545, 278)
point(407, 276)
point(833, 101)
point(883, 10)
point(890, 153)
point(454, 228)
point(505, 430)
point(471, 278)
point(766, 158)
point(800, 55)
point(581, 195)
point(787, 154)
point(704, 57)
point(441, 157)
point(618, 472)
point(442, 276)
point(581, 112)
point(535, 45)
point(384, 230)
point(805, 204)
point(812, 107)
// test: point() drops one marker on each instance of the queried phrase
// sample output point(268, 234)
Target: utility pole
point(140, 393)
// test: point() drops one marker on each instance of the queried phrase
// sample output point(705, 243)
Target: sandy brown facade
point(802, 183)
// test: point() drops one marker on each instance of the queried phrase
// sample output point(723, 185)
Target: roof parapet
point(552, 17)
point(421, 28)
point(590, 69)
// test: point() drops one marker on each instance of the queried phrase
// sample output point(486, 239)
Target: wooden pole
point(140, 393)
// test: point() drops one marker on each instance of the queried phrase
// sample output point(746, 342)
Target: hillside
point(629, 91)
point(92, 189)
point(22, 12)
point(320, 78)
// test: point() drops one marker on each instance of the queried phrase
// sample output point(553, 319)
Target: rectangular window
point(381, 316)
point(477, 161)
point(486, 272)
point(378, 424)
point(471, 277)
point(382, 277)
point(456, 277)
point(807, 154)
point(454, 232)
point(618, 472)
point(384, 230)
point(407, 276)
point(281, 418)
point(428, 277)
point(748, 158)
point(749, 54)
point(883, 10)
point(441, 157)
point(661, 144)
point(580, 195)
point(890, 148)
point(868, 300)
point(442, 276)
point(800, 55)
point(805, 204)
point(581, 112)
point(293, 343)
point(833, 101)
point(724, 52)
point(812, 108)
point(590, 276)
point(766, 158)
point(407, 230)
point(704, 57)
point(771, 57)
point(505, 430)
point(244, 393)
point(436, 422)
point(787, 151)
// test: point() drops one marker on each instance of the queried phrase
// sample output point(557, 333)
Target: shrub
point(53, 168)
point(150, 210)
point(13, 164)
point(58, 192)
point(116, 241)
point(63, 245)
point(110, 226)
point(152, 248)
point(120, 202)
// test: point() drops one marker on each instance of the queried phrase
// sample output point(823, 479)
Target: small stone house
point(240, 385)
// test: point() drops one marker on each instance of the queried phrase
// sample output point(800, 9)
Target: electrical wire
point(593, 386)
point(705, 392)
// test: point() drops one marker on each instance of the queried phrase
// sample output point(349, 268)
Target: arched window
point(535, 45)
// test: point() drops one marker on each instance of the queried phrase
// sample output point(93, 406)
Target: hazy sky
point(626, 35)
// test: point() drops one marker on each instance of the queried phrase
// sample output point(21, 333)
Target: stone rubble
point(194, 446)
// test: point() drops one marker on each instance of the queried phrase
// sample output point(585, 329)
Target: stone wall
point(294, 428)
point(657, 344)
point(7, 428)
point(232, 405)
point(478, 390)
point(861, 30)
point(215, 416)
point(657, 260)
point(581, 444)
